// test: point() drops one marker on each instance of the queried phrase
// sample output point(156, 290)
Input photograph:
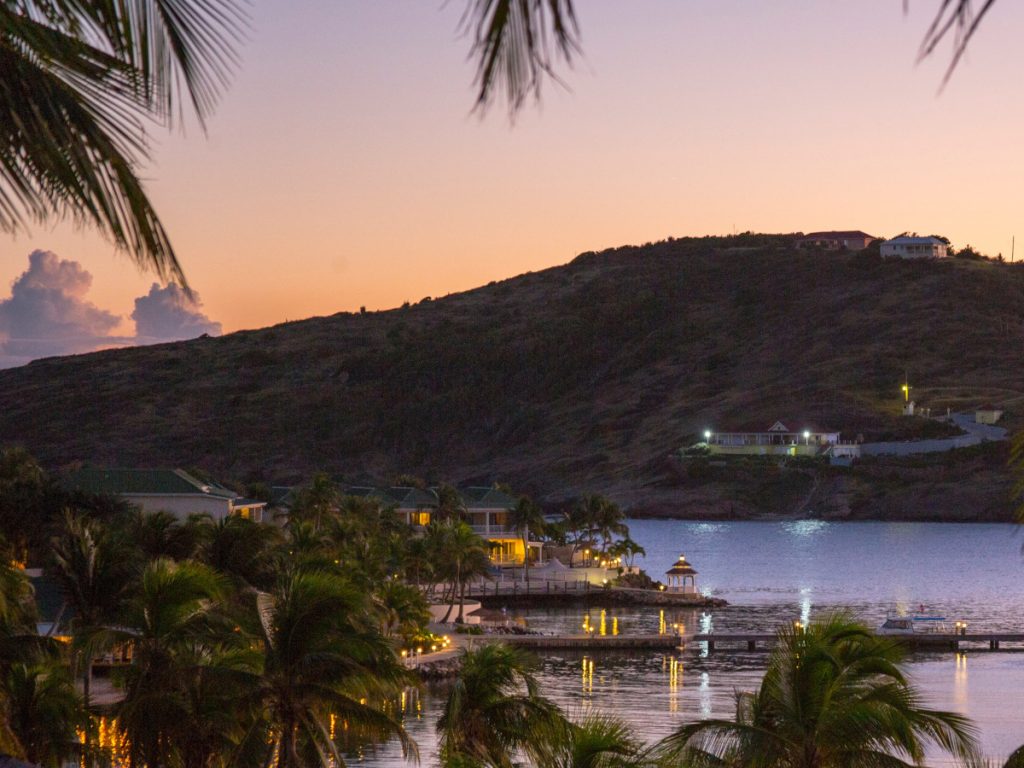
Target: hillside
point(585, 376)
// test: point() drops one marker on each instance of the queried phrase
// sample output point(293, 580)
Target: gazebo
point(682, 577)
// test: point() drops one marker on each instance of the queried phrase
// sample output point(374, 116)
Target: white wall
point(183, 505)
point(903, 251)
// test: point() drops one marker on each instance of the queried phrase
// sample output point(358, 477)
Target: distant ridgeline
point(588, 375)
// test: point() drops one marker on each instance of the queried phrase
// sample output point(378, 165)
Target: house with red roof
point(853, 240)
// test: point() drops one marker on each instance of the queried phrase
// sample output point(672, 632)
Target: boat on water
point(920, 622)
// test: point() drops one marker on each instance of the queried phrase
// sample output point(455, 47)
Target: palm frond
point(956, 19)
point(515, 43)
point(82, 81)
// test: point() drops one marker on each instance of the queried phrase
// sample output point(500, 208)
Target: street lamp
point(807, 437)
point(707, 435)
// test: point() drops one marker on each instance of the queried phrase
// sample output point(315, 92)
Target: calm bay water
point(773, 573)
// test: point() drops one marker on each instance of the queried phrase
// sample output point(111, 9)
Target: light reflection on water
point(773, 574)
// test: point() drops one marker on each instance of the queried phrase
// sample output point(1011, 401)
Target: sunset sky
point(344, 167)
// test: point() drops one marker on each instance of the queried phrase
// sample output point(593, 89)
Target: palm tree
point(26, 500)
point(608, 521)
point(600, 741)
point(417, 559)
point(463, 556)
point(450, 505)
point(309, 546)
point(17, 598)
point(522, 518)
point(43, 712)
point(626, 548)
point(216, 719)
point(245, 551)
point(93, 573)
point(495, 710)
point(595, 515)
point(323, 657)
point(162, 535)
point(833, 695)
point(169, 613)
point(317, 502)
point(402, 608)
point(82, 84)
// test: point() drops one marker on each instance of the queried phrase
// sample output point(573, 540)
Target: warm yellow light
point(404, 653)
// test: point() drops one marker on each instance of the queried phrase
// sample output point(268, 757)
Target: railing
point(533, 587)
point(494, 529)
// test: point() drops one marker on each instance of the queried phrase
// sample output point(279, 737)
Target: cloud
point(47, 313)
point(169, 314)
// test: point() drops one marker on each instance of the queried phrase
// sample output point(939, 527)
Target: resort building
point(414, 506)
point(166, 490)
point(777, 440)
point(905, 247)
point(854, 240)
point(487, 511)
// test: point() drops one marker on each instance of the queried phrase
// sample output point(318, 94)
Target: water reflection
point(705, 695)
point(960, 681)
point(675, 674)
point(588, 675)
point(806, 527)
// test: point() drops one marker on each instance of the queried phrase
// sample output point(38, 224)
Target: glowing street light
point(707, 435)
point(807, 437)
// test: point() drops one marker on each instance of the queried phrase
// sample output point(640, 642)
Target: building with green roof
point(166, 490)
point(487, 510)
point(415, 506)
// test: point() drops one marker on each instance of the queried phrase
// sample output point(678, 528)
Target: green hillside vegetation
point(593, 374)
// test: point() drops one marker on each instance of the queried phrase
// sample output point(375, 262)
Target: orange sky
point(344, 169)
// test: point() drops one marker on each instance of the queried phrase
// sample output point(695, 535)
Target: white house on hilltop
point(776, 440)
point(906, 247)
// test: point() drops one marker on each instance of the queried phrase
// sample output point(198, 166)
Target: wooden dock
point(591, 642)
point(754, 641)
point(745, 641)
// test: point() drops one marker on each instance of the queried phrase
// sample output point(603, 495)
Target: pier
point(754, 641)
point(749, 641)
point(591, 642)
